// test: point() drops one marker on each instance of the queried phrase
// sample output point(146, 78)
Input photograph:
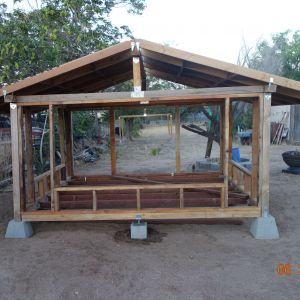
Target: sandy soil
point(191, 261)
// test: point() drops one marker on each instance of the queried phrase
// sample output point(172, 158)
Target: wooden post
point(137, 81)
point(112, 141)
point(52, 156)
point(62, 138)
point(69, 143)
point(222, 138)
point(181, 198)
point(177, 133)
point(17, 159)
point(264, 152)
point(138, 199)
point(230, 139)
point(230, 131)
point(94, 201)
point(56, 201)
point(255, 149)
point(226, 150)
point(30, 195)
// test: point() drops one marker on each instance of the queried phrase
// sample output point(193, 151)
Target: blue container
point(236, 155)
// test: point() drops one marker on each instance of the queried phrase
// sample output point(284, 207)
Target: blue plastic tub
point(236, 155)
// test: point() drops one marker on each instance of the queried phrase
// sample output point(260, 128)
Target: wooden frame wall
point(259, 184)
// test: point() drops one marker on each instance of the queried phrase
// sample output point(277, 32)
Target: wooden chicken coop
point(78, 85)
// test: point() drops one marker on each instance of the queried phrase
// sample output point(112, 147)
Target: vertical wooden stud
point(222, 197)
point(62, 143)
point(69, 143)
point(112, 142)
point(222, 138)
point(264, 152)
point(181, 196)
point(94, 201)
point(56, 201)
point(230, 137)
point(137, 81)
point(52, 155)
point(16, 119)
point(30, 195)
point(138, 199)
point(255, 149)
point(177, 133)
point(226, 149)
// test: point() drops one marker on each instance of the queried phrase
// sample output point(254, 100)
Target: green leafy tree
point(280, 56)
point(56, 32)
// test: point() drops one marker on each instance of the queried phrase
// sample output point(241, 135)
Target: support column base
point(264, 228)
point(18, 229)
point(138, 230)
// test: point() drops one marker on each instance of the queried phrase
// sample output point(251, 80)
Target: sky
point(213, 28)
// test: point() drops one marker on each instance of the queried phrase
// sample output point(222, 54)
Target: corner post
point(265, 226)
point(264, 159)
point(17, 228)
point(255, 148)
point(16, 115)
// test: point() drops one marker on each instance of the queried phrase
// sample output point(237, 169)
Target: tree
point(280, 56)
point(56, 32)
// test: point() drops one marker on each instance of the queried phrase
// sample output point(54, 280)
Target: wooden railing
point(42, 182)
point(240, 176)
point(138, 189)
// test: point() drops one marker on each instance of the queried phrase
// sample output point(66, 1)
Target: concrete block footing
point(264, 228)
point(18, 229)
point(138, 230)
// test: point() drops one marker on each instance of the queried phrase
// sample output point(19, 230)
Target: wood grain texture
point(146, 214)
point(16, 117)
point(30, 194)
point(113, 153)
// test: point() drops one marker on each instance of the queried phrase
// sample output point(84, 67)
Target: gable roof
point(113, 65)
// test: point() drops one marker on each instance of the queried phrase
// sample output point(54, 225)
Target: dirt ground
point(190, 261)
point(136, 157)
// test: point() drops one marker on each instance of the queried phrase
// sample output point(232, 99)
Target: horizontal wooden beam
point(141, 186)
point(149, 96)
point(146, 214)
